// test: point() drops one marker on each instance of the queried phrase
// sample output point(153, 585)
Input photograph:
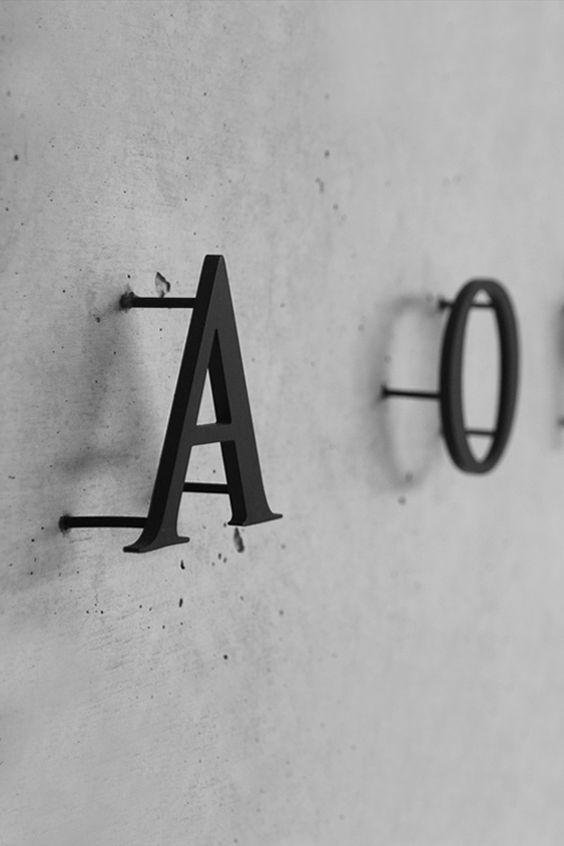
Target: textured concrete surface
point(383, 667)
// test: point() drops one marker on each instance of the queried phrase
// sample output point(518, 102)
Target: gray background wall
point(383, 667)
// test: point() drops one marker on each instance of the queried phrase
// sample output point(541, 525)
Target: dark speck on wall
point(238, 541)
point(162, 285)
point(320, 184)
point(180, 602)
point(16, 157)
point(182, 567)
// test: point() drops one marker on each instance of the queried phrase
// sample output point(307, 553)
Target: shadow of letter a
point(211, 345)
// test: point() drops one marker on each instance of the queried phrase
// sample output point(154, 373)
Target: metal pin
point(68, 522)
point(131, 300)
point(443, 304)
point(392, 392)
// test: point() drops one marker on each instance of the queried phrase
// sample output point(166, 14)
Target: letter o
point(451, 404)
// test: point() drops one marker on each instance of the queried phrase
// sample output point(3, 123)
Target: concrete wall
point(383, 667)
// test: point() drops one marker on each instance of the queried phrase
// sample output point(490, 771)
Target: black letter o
point(452, 413)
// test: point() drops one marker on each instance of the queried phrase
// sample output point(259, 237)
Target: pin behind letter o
point(452, 412)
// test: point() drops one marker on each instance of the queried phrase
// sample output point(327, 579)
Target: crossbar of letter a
point(211, 345)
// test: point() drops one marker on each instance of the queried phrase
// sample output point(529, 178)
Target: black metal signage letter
point(212, 345)
point(452, 411)
point(450, 392)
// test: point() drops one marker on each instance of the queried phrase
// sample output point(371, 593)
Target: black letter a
point(212, 344)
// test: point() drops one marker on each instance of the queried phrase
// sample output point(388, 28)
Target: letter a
point(212, 345)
